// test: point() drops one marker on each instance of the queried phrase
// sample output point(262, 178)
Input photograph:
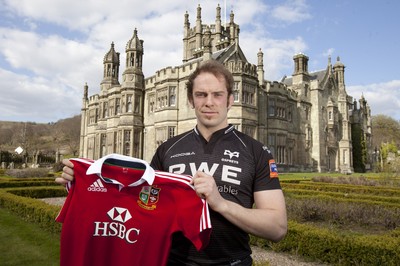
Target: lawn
point(24, 243)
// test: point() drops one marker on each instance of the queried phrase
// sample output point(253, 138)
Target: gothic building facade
point(305, 119)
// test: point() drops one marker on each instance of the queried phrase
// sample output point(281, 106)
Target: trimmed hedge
point(344, 188)
point(39, 192)
point(340, 195)
point(31, 209)
point(26, 182)
point(335, 247)
point(328, 246)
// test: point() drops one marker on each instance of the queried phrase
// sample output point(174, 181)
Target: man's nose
point(209, 100)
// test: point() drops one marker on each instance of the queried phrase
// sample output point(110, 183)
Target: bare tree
point(385, 130)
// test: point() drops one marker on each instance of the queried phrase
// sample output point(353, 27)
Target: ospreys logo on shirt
point(148, 197)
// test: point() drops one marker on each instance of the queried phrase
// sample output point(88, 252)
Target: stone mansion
point(305, 119)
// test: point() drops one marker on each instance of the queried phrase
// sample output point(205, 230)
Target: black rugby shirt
point(240, 166)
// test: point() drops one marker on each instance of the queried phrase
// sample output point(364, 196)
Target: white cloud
point(35, 99)
point(384, 97)
point(292, 11)
point(53, 47)
point(328, 52)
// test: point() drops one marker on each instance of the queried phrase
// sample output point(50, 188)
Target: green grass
point(24, 243)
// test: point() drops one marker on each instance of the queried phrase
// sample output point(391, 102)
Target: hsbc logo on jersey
point(119, 214)
point(116, 228)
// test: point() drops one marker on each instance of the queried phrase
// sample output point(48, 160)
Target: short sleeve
point(194, 218)
point(266, 170)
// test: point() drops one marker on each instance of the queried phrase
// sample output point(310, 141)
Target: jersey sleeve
point(266, 170)
point(156, 160)
point(194, 218)
point(70, 187)
point(78, 170)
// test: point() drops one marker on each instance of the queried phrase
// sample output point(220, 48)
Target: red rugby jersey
point(119, 211)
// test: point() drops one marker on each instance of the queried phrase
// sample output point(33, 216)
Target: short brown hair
point(214, 67)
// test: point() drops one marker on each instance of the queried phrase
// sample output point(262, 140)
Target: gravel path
point(259, 255)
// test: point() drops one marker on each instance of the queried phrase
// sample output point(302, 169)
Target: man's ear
point(191, 103)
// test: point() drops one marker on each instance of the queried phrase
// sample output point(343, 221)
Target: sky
point(50, 49)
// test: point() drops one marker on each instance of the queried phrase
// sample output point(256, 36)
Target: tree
point(385, 130)
point(66, 132)
point(359, 148)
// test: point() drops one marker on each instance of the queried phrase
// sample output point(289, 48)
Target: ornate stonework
point(304, 119)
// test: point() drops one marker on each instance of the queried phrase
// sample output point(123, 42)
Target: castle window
point(117, 106)
point(161, 135)
point(249, 130)
point(151, 103)
point(281, 149)
point(105, 109)
point(171, 132)
point(103, 140)
point(164, 133)
point(172, 96)
point(290, 113)
point(92, 116)
point(111, 108)
point(136, 142)
point(330, 115)
point(236, 92)
point(137, 104)
point(127, 143)
point(280, 109)
point(271, 107)
point(129, 103)
point(272, 143)
point(248, 94)
point(236, 96)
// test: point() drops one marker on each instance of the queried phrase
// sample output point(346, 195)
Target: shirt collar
point(148, 175)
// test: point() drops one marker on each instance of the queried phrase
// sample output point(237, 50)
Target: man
point(231, 170)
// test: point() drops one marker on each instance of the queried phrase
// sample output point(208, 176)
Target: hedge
point(26, 182)
point(31, 209)
point(320, 244)
point(335, 247)
point(342, 195)
point(344, 188)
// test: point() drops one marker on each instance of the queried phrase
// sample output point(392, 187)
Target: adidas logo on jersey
point(97, 186)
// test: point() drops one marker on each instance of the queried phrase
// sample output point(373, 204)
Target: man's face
point(211, 101)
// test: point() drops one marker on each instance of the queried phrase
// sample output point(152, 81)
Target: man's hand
point(267, 220)
point(67, 174)
point(206, 188)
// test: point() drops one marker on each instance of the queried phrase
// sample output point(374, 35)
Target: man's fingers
point(68, 163)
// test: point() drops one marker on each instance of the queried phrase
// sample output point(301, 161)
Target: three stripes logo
point(97, 186)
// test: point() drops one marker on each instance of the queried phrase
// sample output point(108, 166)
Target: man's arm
point(67, 174)
point(267, 220)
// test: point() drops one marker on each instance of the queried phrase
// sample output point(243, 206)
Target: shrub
point(356, 215)
point(28, 172)
point(58, 167)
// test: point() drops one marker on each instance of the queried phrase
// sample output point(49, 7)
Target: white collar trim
point(148, 175)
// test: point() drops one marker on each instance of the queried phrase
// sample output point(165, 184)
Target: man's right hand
point(67, 174)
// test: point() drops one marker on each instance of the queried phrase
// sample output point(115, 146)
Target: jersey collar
point(148, 175)
point(217, 133)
